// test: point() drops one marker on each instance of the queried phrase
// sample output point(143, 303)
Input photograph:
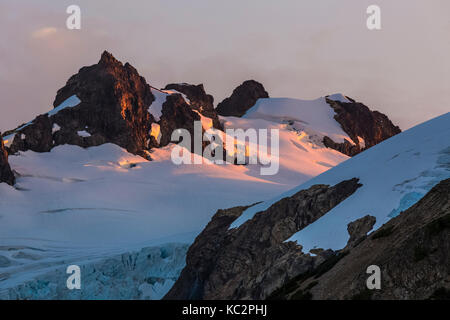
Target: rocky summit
point(243, 98)
point(109, 103)
point(103, 103)
point(359, 122)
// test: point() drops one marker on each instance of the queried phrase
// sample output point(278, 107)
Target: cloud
point(43, 32)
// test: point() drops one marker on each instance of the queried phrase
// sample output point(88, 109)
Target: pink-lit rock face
point(111, 103)
point(366, 128)
point(108, 100)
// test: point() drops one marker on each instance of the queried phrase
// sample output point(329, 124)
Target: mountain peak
point(108, 59)
point(108, 100)
point(365, 127)
point(243, 98)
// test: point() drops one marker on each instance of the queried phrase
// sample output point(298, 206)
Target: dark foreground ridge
point(412, 251)
point(253, 260)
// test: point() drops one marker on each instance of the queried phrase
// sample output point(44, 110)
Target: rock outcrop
point(109, 103)
point(199, 100)
point(358, 121)
point(112, 102)
point(243, 98)
point(176, 114)
point(359, 229)
point(6, 175)
point(412, 251)
point(253, 260)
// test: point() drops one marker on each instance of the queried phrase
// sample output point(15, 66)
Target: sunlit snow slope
point(394, 175)
point(302, 125)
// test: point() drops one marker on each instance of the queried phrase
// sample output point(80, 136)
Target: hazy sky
point(296, 48)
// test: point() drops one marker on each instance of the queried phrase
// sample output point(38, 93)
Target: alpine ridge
point(109, 102)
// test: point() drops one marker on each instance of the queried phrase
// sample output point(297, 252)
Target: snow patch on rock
point(338, 97)
point(55, 128)
point(70, 102)
point(8, 140)
point(83, 134)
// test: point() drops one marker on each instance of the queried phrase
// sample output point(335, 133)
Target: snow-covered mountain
point(95, 181)
point(395, 174)
point(292, 234)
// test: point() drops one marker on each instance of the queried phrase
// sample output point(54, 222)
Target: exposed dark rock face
point(253, 260)
point(37, 136)
point(412, 251)
point(176, 114)
point(345, 147)
point(358, 229)
point(356, 119)
point(113, 108)
point(6, 175)
point(199, 100)
point(243, 98)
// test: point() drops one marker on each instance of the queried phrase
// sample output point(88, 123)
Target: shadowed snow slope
point(395, 174)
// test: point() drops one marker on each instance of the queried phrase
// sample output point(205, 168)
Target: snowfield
point(308, 115)
point(395, 174)
point(94, 206)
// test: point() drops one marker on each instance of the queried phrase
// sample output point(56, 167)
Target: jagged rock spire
point(112, 102)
